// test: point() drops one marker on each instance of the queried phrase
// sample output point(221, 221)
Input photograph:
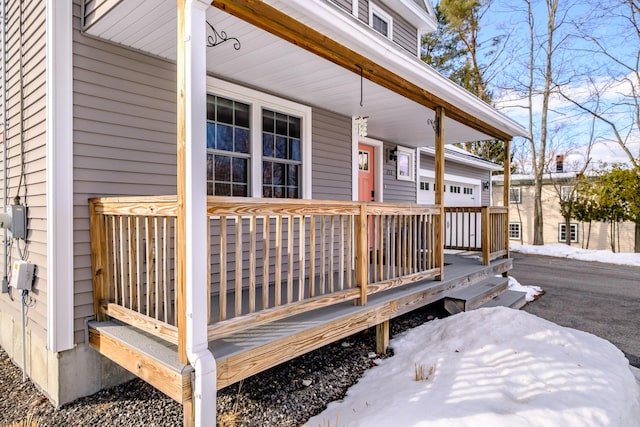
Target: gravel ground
point(286, 395)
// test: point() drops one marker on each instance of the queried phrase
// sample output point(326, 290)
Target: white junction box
point(22, 275)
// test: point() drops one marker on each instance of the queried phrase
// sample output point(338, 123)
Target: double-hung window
point(258, 145)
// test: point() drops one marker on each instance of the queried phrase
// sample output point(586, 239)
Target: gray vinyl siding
point(124, 139)
point(344, 4)
point(363, 11)
point(331, 156)
point(404, 34)
point(396, 190)
point(26, 127)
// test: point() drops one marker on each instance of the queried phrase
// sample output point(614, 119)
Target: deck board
point(256, 349)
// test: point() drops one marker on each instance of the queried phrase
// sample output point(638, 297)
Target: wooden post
point(98, 248)
point(507, 191)
point(362, 254)
point(439, 155)
point(181, 229)
point(485, 217)
point(382, 337)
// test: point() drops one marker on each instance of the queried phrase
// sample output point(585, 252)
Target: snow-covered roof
point(459, 155)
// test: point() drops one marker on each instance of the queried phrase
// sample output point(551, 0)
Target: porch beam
point(439, 184)
point(270, 19)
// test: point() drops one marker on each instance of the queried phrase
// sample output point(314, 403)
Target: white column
point(59, 152)
point(204, 393)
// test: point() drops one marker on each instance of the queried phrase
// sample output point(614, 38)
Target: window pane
point(211, 107)
point(225, 111)
point(223, 189)
point(266, 191)
point(211, 135)
point(268, 118)
point(281, 124)
point(239, 190)
point(281, 147)
point(242, 114)
point(209, 167)
point(294, 150)
point(292, 193)
point(380, 25)
point(267, 173)
point(278, 174)
point(294, 127)
point(278, 191)
point(267, 145)
point(224, 137)
point(210, 188)
point(240, 170)
point(223, 168)
point(242, 141)
point(292, 175)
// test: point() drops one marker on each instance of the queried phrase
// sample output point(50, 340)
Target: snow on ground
point(531, 291)
point(565, 251)
point(493, 367)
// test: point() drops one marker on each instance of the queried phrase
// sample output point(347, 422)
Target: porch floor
point(254, 350)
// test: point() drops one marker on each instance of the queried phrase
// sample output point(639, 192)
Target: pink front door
point(366, 173)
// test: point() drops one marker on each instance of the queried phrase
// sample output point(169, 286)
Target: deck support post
point(99, 267)
point(192, 223)
point(439, 184)
point(382, 337)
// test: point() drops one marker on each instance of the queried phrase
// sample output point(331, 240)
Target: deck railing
point(477, 229)
point(268, 259)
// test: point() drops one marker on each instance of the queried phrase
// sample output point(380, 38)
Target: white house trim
point(202, 360)
point(59, 176)
point(377, 167)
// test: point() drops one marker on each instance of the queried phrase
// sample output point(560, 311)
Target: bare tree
point(609, 89)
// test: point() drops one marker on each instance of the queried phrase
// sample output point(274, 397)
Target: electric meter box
point(22, 275)
point(18, 221)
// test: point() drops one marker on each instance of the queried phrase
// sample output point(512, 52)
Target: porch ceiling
point(268, 63)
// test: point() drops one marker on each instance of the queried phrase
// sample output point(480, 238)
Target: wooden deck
point(255, 349)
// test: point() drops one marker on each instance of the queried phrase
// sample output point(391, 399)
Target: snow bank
point(564, 251)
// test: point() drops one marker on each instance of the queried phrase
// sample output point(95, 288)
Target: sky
point(495, 367)
point(573, 64)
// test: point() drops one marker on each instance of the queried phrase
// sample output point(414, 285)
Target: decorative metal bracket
point(217, 38)
point(435, 125)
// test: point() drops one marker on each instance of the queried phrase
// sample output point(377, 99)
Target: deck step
point(144, 355)
point(475, 295)
point(512, 299)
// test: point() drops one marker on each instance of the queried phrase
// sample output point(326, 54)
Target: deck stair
point(512, 299)
point(484, 292)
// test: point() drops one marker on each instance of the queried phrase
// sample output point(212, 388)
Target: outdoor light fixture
point(485, 185)
point(362, 126)
point(393, 155)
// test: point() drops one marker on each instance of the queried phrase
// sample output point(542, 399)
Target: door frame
point(377, 166)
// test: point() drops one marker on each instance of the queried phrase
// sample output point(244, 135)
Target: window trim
point(376, 10)
point(257, 101)
point(571, 225)
point(518, 191)
point(519, 237)
point(565, 192)
point(410, 154)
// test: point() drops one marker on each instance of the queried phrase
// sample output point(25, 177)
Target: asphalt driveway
point(602, 299)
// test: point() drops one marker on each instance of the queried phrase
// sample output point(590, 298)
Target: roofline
point(385, 55)
point(464, 159)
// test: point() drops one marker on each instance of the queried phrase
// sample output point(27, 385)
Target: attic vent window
point(380, 21)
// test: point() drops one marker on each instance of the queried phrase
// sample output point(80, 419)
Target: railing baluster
point(158, 271)
point(150, 264)
point(222, 292)
point(266, 260)
point(302, 225)
point(238, 267)
point(289, 258)
point(252, 264)
point(331, 252)
point(166, 292)
point(341, 241)
point(323, 255)
point(278, 264)
point(350, 259)
point(312, 257)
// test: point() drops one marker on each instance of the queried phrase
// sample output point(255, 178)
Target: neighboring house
point(251, 99)
point(555, 185)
